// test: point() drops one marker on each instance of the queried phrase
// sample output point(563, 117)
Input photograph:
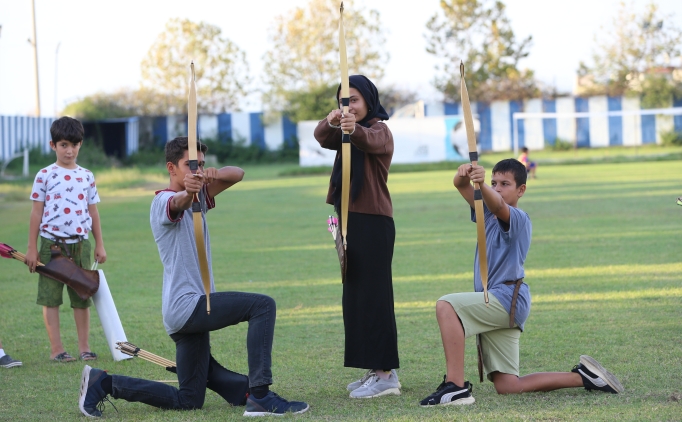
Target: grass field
point(604, 268)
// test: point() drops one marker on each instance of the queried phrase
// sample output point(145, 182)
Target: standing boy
point(184, 308)
point(460, 315)
point(64, 214)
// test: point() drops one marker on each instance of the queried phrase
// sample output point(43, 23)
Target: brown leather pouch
point(84, 282)
point(342, 254)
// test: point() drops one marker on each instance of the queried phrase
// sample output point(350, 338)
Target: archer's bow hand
point(194, 182)
point(476, 174)
point(348, 123)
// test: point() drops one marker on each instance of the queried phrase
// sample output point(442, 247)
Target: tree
point(222, 72)
point(638, 55)
point(479, 33)
point(302, 66)
point(122, 103)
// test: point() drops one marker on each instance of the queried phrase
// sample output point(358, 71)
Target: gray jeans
point(196, 368)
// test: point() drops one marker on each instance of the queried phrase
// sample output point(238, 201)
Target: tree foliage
point(302, 66)
point(479, 33)
point(640, 53)
point(122, 103)
point(222, 72)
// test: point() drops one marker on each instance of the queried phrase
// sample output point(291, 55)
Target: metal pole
point(56, 66)
point(34, 43)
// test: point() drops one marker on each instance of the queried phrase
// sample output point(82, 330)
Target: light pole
point(56, 66)
point(34, 43)
point(0, 34)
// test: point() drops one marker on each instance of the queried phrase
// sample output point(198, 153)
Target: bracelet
point(332, 126)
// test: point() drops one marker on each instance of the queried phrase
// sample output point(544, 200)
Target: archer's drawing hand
point(476, 174)
point(463, 171)
point(348, 122)
point(32, 258)
point(194, 182)
point(334, 117)
point(210, 174)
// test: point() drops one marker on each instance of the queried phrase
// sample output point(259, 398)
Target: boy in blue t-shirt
point(499, 325)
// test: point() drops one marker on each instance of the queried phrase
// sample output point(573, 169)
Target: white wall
point(534, 132)
point(501, 125)
point(566, 127)
point(632, 125)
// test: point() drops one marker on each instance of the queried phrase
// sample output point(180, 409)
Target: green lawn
point(604, 268)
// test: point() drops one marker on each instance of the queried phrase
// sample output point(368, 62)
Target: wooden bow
point(197, 215)
point(478, 197)
point(345, 138)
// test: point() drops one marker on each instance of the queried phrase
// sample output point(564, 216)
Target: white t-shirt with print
point(66, 194)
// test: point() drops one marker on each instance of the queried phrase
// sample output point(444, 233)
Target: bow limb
point(197, 215)
point(478, 197)
point(345, 138)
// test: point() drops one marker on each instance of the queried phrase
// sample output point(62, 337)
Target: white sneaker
point(376, 387)
point(357, 384)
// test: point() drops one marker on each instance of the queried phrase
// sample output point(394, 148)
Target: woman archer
point(371, 338)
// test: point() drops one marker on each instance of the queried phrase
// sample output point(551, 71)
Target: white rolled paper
point(108, 316)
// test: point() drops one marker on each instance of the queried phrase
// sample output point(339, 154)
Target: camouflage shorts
point(50, 292)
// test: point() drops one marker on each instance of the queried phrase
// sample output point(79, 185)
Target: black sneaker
point(448, 393)
point(91, 397)
point(273, 405)
point(595, 377)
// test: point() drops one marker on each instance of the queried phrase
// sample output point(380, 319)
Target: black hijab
point(374, 110)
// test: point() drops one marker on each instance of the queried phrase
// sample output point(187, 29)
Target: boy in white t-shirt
point(64, 212)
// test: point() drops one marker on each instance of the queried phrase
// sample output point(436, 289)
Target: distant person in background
point(679, 200)
point(371, 337)
point(6, 360)
point(531, 166)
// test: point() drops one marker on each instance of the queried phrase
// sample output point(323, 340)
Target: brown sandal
point(64, 357)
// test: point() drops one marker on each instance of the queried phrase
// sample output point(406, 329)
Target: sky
point(102, 43)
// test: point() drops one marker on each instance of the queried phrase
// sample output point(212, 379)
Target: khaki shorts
point(50, 292)
point(499, 343)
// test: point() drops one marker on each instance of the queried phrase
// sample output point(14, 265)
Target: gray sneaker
point(376, 387)
point(7, 362)
point(357, 384)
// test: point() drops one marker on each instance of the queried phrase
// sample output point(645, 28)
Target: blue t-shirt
point(182, 284)
point(506, 247)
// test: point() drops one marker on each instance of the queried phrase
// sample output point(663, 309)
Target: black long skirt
point(368, 315)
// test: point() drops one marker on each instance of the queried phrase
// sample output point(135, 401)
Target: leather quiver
point(84, 282)
point(342, 254)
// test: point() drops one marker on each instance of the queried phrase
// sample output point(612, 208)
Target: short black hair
point(67, 129)
point(175, 149)
point(524, 149)
point(513, 166)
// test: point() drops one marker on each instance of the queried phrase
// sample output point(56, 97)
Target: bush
point(92, 155)
point(229, 151)
point(152, 155)
point(560, 145)
point(671, 138)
